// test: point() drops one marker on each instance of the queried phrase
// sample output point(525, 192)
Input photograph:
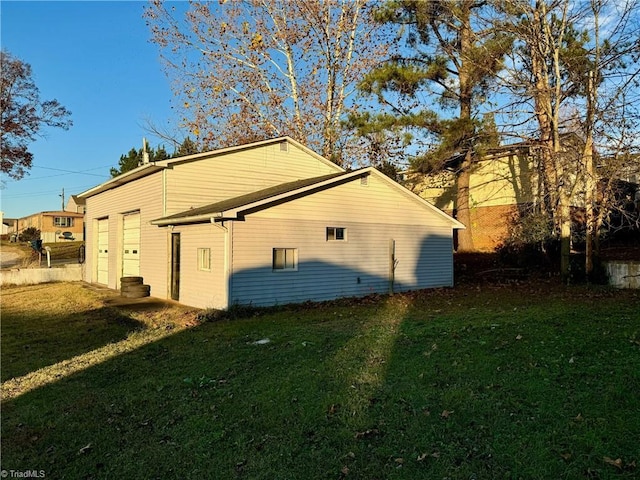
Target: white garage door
point(103, 251)
point(131, 245)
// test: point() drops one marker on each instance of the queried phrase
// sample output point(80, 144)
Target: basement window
point(285, 259)
point(204, 259)
point(336, 234)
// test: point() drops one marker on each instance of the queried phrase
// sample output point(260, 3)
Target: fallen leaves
point(86, 449)
point(423, 456)
point(616, 463)
point(619, 464)
point(367, 433)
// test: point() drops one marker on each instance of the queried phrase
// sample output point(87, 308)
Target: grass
point(537, 381)
point(65, 250)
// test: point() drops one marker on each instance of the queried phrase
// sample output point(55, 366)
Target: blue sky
point(95, 58)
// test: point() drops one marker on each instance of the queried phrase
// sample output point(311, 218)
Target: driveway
point(10, 257)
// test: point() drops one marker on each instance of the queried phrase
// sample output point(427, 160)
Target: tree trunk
point(564, 210)
point(465, 237)
point(590, 219)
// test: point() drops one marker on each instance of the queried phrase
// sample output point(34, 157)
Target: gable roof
point(153, 167)
point(77, 200)
point(234, 208)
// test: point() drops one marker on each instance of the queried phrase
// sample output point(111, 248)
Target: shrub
point(29, 234)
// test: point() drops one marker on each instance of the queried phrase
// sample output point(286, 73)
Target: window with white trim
point(63, 221)
point(336, 234)
point(285, 259)
point(204, 259)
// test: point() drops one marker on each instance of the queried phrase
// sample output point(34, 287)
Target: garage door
point(131, 245)
point(103, 251)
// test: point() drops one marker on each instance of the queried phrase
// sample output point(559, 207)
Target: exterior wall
point(198, 183)
point(200, 288)
point(145, 196)
point(331, 269)
point(74, 206)
point(377, 202)
point(372, 215)
point(507, 180)
point(490, 225)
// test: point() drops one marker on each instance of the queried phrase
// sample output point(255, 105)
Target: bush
point(530, 243)
point(29, 234)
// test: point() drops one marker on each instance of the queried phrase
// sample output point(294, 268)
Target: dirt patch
point(13, 255)
point(150, 310)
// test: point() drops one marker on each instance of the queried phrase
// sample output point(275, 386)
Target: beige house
point(54, 226)
point(266, 223)
point(504, 182)
point(75, 204)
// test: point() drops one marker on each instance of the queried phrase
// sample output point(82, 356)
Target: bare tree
point(246, 70)
point(611, 108)
point(560, 68)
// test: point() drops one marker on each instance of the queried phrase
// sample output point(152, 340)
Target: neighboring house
point(502, 183)
point(9, 228)
point(5, 226)
point(57, 226)
point(266, 223)
point(8, 224)
point(75, 204)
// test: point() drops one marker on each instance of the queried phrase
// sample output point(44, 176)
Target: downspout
point(228, 263)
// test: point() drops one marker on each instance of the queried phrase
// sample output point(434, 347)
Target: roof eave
point(131, 175)
point(204, 218)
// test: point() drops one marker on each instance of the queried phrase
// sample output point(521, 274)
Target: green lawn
point(525, 382)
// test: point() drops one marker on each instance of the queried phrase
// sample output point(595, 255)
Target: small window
point(336, 234)
point(285, 259)
point(204, 259)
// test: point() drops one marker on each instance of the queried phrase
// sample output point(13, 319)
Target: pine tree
point(445, 56)
point(135, 158)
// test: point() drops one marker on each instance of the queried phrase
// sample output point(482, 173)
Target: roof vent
point(284, 146)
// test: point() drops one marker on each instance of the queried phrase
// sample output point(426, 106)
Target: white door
point(103, 251)
point(131, 245)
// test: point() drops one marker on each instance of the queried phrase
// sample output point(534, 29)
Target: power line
point(48, 192)
point(82, 172)
point(67, 172)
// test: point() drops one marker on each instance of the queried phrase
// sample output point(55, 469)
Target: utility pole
point(62, 209)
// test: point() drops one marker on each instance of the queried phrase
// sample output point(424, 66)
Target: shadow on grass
point(427, 385)
point(30, 342)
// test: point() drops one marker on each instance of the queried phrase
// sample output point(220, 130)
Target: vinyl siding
point(377, 202)
point(202, 289)
point(145, 196)
point(332, 269)
point(209, 180)
point(372, 216)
